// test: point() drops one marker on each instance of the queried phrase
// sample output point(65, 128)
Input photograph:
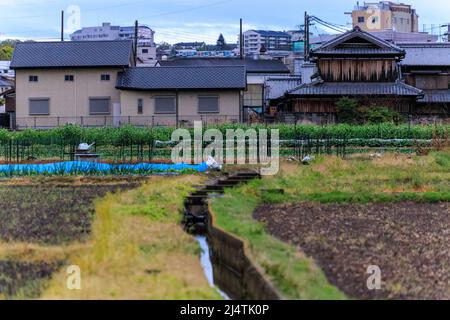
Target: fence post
point(81, 121)
point(34, 122)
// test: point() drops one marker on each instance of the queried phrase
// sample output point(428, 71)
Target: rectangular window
point(140, 106)
point(208, 104)
point(40, 107)
point(99, 106)
point(33, 78)
point(144, 50)
point(165, 105)
point(69, 77)
point(105, 77)
point(361, 19)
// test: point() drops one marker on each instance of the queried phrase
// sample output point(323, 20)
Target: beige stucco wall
point(387, 20)
point(68, 100)
point(229, 107)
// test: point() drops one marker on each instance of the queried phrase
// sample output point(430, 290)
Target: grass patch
point(360, 179)
point(138, 248)
point(295, 275)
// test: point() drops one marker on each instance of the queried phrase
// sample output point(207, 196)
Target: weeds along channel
point(124, 234)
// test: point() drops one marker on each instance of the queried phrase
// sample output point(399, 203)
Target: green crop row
point(127, 134)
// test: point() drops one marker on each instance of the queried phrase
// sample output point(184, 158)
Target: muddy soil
point(408, 241)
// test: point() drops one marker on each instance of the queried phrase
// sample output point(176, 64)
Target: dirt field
point(55, 213)
point(48, 214)
point(409, 241)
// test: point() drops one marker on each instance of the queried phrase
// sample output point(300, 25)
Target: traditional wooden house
point(427, 67)
point(355, 64)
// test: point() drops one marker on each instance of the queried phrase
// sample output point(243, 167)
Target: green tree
point(221, 43)
point(6, 52)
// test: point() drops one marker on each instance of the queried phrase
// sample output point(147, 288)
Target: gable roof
point(251, 65)
point(357, 42)
point(355, 89)
point(182, 78)
point(277, 87)
point(72, 54)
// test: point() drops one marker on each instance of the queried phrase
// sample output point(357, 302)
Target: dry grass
point(138, 249)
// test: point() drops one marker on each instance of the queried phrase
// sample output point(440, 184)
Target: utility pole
point(306, 31)
point(136, 33)
point(62, 26)
point(241, 40)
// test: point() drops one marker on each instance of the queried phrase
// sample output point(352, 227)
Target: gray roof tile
point(252, 65)
point(427, 54)
point(72, 54)
point(355, 89)
point(277, 87)
point(436, 96)
point(183, 78)
point(342, 45)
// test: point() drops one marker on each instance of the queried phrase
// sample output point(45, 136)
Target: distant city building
point(5, 71)
point(189, 45)
point(108, 32)
point(273, 43)
point(385, 15)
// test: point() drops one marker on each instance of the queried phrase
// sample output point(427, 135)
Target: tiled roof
point(436, 96)
point(371, 45)
point(355, 89)
point(183, 78)
point(72, 54)
point(277, 87)
point(426, 54)
point(251, 65)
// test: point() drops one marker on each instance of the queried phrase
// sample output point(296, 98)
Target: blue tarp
point(89, 167)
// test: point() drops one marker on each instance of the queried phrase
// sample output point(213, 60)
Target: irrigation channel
point(225, 258)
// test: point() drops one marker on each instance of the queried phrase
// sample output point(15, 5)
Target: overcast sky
point(185, 20)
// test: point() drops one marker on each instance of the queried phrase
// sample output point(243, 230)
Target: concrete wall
point(68, 100)
point(234, 268)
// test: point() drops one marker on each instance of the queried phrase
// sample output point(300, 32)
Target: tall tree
point(221, 43)
point(6, 52)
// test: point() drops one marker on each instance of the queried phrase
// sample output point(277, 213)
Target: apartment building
point(108, 32)
point(273, 42)
point(385, 15)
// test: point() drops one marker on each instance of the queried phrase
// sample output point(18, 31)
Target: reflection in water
point(205, 260)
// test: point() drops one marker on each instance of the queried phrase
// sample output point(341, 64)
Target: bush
point(349, 111)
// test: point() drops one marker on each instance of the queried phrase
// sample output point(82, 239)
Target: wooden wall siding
point(432, 82)
point(314, 106)
point(358, 70)
point(329, 105)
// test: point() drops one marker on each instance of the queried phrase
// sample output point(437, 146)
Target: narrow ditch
point(224, 258)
